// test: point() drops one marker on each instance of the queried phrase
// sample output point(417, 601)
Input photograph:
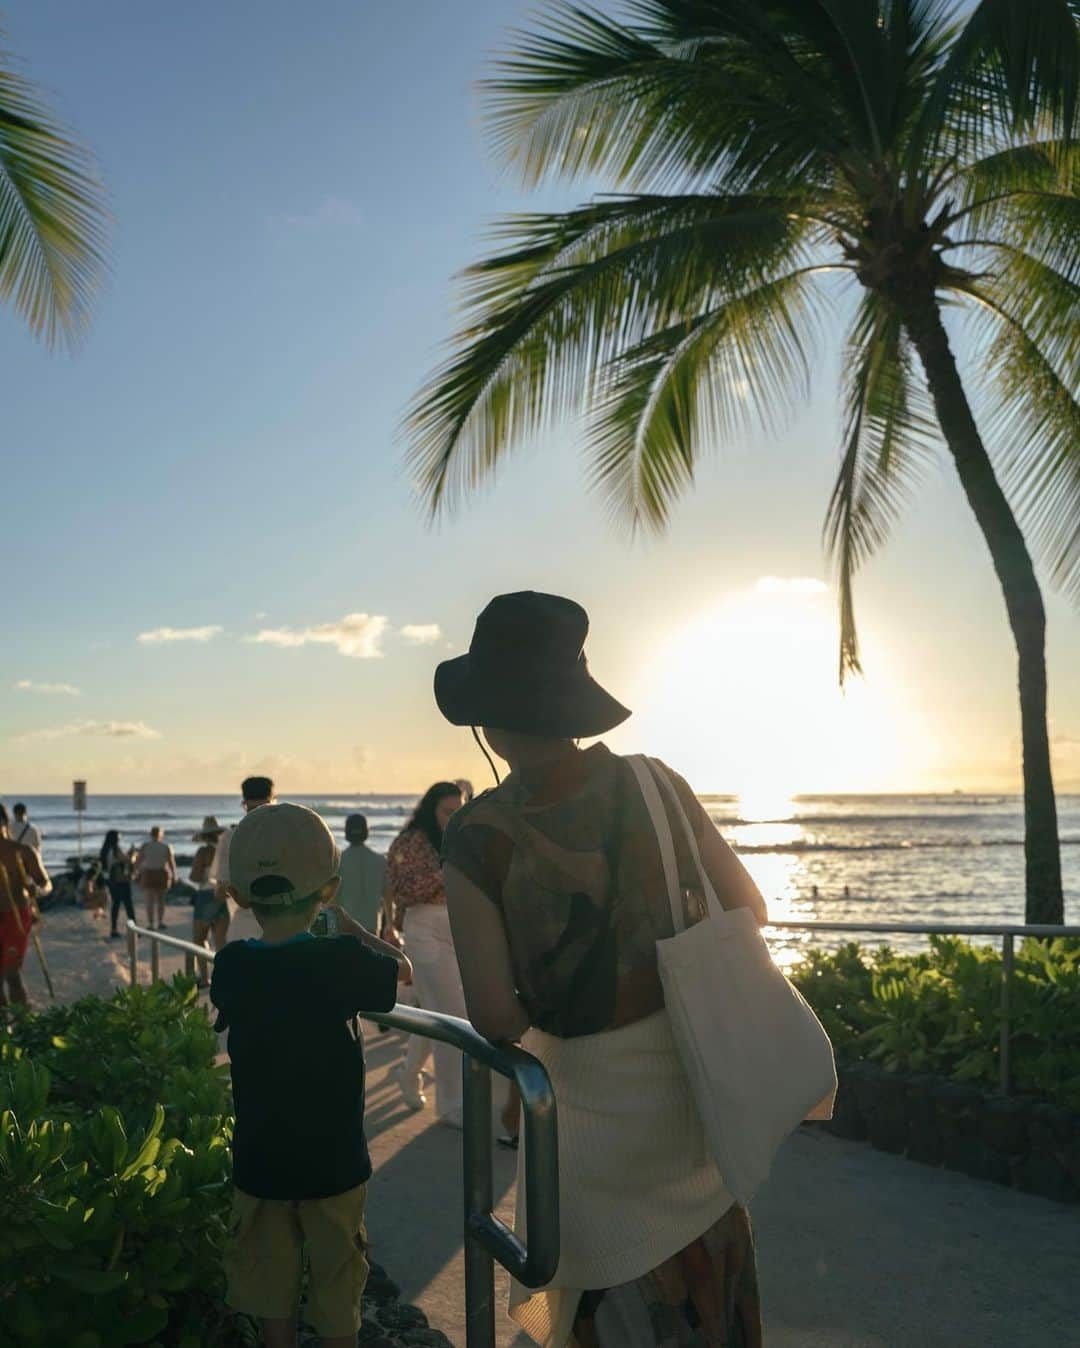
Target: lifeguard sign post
point(78, 804)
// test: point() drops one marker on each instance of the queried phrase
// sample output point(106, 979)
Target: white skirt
point(636, 1183)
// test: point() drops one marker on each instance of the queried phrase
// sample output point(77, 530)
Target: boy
point(288, 998)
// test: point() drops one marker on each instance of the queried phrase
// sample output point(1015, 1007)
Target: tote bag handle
point(662, 829)
point(648, 773)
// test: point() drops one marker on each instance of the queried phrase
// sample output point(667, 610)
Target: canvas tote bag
point(757, 1058)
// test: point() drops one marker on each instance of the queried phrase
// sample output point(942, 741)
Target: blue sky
point(293, 188)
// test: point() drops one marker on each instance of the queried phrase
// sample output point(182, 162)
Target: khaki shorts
point(264, 1258)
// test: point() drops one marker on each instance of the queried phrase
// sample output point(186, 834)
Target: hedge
point(940, 1011)
point(114, 1175)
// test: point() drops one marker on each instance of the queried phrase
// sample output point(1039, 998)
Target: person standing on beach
point(209, 914)
point(116, 870)
point(363, 876)
point(415, 880)
point(254, 792)
point(22, 831)
point(22, 875)
point(155, 874)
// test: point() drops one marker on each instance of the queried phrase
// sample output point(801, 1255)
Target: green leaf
point(52, 213)
point(93, 1281)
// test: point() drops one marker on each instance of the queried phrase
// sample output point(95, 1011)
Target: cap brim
point(580, 709)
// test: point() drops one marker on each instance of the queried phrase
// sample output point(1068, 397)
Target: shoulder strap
point(25, 831)
point(661, 826)
point(711, 901)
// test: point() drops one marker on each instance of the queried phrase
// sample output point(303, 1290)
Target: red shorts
point(14, 936)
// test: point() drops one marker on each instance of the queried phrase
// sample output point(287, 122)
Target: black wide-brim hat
point(526, 671)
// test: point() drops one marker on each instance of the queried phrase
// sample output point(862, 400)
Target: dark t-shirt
point(298, 1061)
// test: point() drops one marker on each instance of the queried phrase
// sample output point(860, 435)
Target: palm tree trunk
point(1027, 617)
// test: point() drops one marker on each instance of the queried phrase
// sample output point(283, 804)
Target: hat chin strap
point(483, 749)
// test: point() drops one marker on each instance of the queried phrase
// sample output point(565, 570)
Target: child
point(300, 1159)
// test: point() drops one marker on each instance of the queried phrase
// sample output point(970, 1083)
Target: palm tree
point(51, 215)
point(773, 157)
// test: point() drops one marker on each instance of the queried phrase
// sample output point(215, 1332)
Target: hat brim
point(575, 707)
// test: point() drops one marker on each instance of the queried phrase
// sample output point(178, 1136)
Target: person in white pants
point(414, 880)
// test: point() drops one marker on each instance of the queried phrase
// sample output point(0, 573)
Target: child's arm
point(350, 927)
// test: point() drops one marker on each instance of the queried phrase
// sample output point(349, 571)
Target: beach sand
point(83, 963)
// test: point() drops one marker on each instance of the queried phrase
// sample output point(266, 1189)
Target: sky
point(214, 562)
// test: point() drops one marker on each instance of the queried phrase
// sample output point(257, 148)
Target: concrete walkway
point(856, 1249)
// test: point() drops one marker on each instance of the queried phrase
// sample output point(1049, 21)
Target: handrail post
point(189, 964)
point(133, 954)
point(1004, 1051)
point(479, 1197)
point(155, 961)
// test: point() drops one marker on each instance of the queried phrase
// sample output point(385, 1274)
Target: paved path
point(856, 1249)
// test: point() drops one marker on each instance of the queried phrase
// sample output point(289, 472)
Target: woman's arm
point(483, 955)
point(730, 878)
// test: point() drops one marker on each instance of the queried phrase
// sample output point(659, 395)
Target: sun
point(745, 700)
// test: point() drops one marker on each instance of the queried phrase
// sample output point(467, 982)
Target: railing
point(1008, 936)
point(486, 1237)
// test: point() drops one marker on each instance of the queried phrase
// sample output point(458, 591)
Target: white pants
point(437, 983)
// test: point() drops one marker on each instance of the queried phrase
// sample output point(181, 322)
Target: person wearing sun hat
point(557, 897)
point(289, 1001)
point(210, 913)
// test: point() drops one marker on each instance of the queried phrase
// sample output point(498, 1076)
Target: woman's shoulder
point(409, 842)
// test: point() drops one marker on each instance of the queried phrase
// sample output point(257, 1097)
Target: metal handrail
point(1008, 933)
point(935, 928)
point(486, 1237)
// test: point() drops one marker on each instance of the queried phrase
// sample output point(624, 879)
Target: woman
point(116, 868)
point(557, 898)
point(414, 880)
point(210, 914)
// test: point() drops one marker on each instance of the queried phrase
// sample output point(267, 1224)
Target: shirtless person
point(22, 875)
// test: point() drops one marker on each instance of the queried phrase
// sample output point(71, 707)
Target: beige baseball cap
point(281, 853)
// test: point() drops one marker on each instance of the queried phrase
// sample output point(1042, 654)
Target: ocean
point(915, 858)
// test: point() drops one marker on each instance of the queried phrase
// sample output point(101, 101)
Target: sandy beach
point(83, 963)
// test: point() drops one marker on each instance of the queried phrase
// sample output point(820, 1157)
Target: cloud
point(330, 212)
point(29, 686)
point(159, 636)
point(357, 635)
point(421, 634)
point(799, 585)
point(118, 730)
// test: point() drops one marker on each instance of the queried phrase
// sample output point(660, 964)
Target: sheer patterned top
point(568, 855)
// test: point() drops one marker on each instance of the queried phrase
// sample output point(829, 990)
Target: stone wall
point(1013, 1140)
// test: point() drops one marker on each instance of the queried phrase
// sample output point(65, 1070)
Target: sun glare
point(745, 700)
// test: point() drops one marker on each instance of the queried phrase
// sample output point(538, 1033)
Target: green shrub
point(114, 1174)
point(940, 1011)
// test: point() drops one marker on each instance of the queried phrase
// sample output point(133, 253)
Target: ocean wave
point(848, 820)
point(913, 845)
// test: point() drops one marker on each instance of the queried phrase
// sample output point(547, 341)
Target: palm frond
point(698, 382)
point(544, 318)
point(889, 429)
point(681, 96)
point(1031, 395)
point(1028, 166)
point(1011, 68)
point(52, 215)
